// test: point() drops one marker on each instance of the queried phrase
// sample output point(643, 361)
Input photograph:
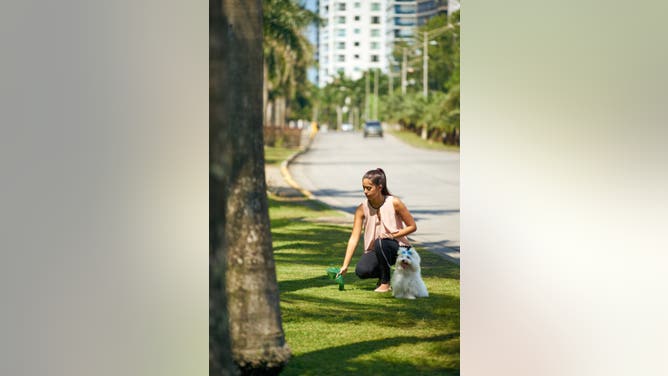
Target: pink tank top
point(380, 223)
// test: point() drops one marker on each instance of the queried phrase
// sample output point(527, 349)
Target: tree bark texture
point(245, 318)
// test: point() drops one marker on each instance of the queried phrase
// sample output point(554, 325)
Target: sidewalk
point(279, 181)
point(277, 185)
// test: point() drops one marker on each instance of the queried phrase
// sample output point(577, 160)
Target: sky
point(311, 73)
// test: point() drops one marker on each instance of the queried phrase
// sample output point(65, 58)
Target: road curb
point(443, 252)
point(452, 259)
point(286, 173)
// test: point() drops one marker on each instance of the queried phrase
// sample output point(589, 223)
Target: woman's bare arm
point(406, 216)
point(354, 239)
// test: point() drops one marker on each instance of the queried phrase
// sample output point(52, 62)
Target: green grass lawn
point(357, 331)
point(274, 155)
point(415, 140)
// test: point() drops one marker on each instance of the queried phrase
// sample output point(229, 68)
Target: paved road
point(427, 181)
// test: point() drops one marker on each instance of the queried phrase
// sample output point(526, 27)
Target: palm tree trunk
point(275, 112)
point(280, 111)
point(244, 301)
point(339, 117)
point(286, 110)
point(270, 113)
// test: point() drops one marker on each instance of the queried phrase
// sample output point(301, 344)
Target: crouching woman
point(386, 222)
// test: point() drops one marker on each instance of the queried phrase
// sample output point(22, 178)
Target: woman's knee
point(364, 271)
point(367, 268)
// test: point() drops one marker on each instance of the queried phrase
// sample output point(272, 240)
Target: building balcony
point(401, 22)
point(403, 33)
point(403, 10)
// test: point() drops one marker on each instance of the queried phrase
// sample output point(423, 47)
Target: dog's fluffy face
point(407, 280)
point(407, 259)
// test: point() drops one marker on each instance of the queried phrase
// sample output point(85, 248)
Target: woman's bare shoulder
point(360, 209)
point(396, 202)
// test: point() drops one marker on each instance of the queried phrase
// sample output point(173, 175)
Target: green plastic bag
point(332, 272)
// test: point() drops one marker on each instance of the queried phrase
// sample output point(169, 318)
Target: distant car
point(346, 127)
point(373, 128)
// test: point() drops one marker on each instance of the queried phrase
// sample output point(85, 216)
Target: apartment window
point(341, 20)
point(375, 45)
point(341, 58)
point(357, 18)
point(357, 57)
point(357, 4)
point(374, 20)
point(341, 32)
point(375, 6)
point(341, 45)
point(357, 44)
point(356, 31)
point(375, 33)
point(341, 6)
point(374, 58)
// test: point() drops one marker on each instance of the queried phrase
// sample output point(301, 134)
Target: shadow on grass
point(336, 310)
point(434, 265)
point(306, 243)
point(298, 284)
point(343, 359)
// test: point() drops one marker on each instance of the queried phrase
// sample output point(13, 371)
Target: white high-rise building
point(359, 34)
point(353, 39)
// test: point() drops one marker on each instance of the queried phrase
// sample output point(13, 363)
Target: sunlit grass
point(274, 155)
point(415, 140)
point(357, 330)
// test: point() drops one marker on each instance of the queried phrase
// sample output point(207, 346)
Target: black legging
point(374, 265)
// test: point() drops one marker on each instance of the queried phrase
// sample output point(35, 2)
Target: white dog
point(407, 280)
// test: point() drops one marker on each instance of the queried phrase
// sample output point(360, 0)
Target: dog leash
point(380, 243)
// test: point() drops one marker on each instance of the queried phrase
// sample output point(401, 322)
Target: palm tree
point(287, 51)
point(244, 313)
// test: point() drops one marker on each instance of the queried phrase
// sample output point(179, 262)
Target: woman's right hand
point(343, 271)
